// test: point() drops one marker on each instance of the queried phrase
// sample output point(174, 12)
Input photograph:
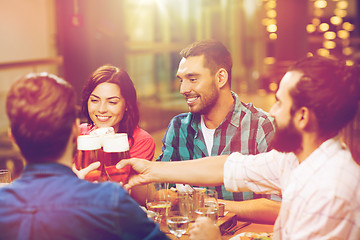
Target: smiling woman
point(109, 100)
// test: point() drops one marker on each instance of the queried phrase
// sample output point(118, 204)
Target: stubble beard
point(208, 102)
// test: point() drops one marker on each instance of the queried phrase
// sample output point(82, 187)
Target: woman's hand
point(83, 172)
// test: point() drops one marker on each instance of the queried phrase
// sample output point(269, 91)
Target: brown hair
point(41, 109)
point(216, 55)
point(330, 89)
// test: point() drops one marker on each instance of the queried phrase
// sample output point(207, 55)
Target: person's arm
point(144, 147)
point(204, 171)
point(260, 210)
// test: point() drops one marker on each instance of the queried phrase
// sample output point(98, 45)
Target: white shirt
point(321, 196)
point(208, 136)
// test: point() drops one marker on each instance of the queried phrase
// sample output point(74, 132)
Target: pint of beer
point(89, 151)
point(116, 148)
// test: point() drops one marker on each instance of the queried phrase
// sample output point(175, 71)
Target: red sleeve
point(85, 129)
point(144, 145)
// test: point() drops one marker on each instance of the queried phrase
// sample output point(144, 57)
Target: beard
point(209, 100)
point(287, 139)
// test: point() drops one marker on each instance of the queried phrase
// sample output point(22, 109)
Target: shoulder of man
point(182, 118)
point(258, 112)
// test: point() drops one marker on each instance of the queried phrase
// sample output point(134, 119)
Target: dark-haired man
point(218, 124)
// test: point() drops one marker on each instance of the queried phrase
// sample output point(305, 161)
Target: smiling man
point(218, 123)
point(309, 165)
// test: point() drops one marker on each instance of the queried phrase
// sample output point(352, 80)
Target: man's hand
point(204, 229)
point(82, 173)
point(141, 171)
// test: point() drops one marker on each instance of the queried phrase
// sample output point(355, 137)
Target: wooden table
point(253, 227)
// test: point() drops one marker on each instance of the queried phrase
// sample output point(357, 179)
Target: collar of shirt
point(50, 168)
point(234, 118)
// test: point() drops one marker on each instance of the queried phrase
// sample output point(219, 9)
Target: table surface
point(253, 227)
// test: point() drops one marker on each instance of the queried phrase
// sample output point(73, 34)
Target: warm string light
point(269, 21)
point(335, 31)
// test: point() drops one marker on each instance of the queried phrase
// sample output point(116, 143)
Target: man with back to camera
point(310, 166)
point(218, 123)
point(49, 201)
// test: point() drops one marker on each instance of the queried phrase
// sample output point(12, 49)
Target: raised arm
point(204, 171)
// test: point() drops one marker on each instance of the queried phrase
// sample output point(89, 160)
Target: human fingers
point(83, 172)
point(204, 229)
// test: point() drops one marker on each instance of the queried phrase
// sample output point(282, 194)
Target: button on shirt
point(50, 202)
point(245, 129)
point(320, 196)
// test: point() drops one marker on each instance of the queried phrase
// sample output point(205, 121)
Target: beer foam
point(115, 143)
point(103, 131)
point(88, 142)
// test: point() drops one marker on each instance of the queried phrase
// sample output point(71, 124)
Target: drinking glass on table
point(207, 205)
point(177, 216)
point(157, 200)
point(116, 148)
point(5, 177)
point(89, 151)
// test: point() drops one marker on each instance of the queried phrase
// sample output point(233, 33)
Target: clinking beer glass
point(89, 151)
point(116, 148)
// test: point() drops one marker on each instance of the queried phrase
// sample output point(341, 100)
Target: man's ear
point(222, 77)
point(303, 118)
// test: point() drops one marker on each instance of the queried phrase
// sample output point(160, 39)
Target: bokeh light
point(323, 52)
point(310, 28)
point(342, 4)
point(329, 44)
point(336, 20)
point(330, 35)
point(343, 34)
point(324, 27)
point(271, 28)
point(347, 51)
point(348, 26)
point(273, 36)
point(320, 3)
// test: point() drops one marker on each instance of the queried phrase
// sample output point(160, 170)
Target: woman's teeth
point(103, 118)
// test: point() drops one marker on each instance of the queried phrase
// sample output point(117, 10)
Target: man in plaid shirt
point(218, 123)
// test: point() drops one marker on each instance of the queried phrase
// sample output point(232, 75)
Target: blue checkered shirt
point(245, 129)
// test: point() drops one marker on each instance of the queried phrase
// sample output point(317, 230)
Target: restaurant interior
point(71, 38)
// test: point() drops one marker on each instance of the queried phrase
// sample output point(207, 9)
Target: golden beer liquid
point(84, 158)
point(110, 159)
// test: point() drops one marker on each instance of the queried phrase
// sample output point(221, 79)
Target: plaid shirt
point(245, 129)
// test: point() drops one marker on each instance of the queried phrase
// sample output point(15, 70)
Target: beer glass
point(5, 177)
point(89, 151)
point(208, 205)
point(157, 200)
point(177, 216)
point(116, 148)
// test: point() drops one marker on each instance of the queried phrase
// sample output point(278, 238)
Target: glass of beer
point(89, 151)
point(116, 148)
point(207, 205)
point(157, 200)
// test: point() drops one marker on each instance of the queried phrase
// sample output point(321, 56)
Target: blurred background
point(71, 38)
